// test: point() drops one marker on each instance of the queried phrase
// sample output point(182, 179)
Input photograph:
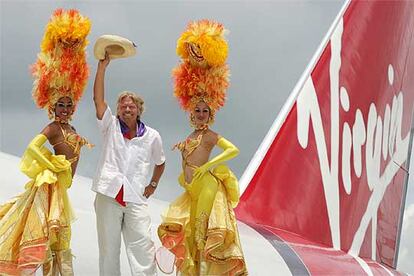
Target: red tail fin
point(333, 166)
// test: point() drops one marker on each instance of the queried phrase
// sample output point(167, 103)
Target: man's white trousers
point(134, 222)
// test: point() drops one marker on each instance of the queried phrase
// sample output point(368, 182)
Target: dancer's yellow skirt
point(200, 228)
point(38, 220)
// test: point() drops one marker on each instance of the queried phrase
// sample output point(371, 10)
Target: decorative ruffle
point(61, 69)
point(192, 84)
point(209, 37)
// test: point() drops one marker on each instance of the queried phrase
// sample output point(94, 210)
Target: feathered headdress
point(61, 69)
point(203, 74)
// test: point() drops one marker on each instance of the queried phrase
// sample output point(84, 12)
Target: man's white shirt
point(126, 162)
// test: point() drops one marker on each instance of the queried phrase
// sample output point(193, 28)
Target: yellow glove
point(229, 151)
point(34, 148)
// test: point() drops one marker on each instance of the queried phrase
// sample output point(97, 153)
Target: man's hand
point(149, 190)
point(156, 175)
point(103, 63)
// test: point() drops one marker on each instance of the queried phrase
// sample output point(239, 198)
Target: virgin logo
point(380, 135)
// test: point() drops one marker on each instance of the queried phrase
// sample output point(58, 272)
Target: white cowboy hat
point(116, 46)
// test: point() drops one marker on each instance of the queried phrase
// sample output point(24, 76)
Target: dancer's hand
point(149, 190)
point(200, 171)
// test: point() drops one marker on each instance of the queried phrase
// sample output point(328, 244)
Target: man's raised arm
point(98, 87)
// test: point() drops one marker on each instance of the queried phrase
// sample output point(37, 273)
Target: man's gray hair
point(139, 102)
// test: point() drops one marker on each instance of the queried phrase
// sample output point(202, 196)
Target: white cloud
point(405, 259)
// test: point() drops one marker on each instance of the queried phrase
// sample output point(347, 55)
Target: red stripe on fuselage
point(323, 260)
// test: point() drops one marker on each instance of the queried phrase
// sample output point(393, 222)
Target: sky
point(270, 43)
point(268, 53)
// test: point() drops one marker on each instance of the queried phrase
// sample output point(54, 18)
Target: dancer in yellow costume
point(199, 227)
point(35, 225)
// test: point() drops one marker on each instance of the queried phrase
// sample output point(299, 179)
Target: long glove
point(34, 149)
point(229, 151)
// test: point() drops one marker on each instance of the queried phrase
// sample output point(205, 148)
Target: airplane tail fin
point(334, 166)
